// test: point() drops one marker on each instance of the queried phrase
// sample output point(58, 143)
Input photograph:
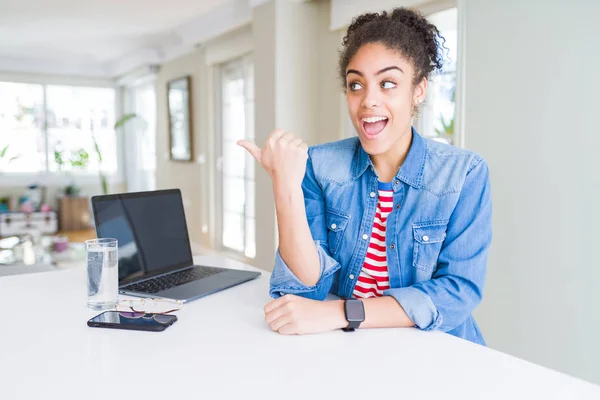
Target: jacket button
point(397, 182)
point(392, 246)
point(333, 226)
point(351, 276)
point(365, 236)
point(426, 238)
point(398, 205)
point(372, 194)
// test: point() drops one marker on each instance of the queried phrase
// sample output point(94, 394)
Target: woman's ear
point(420, 92)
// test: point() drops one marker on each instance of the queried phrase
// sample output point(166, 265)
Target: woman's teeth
point(373, 119)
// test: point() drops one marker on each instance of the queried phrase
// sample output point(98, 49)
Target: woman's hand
point(283, 157)
point(295, 315)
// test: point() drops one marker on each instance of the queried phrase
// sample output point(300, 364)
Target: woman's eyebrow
point(388, 69)
point(353, 71)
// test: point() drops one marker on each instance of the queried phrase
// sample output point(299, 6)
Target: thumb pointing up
point(252, 148)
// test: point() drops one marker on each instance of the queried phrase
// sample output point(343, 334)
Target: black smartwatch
point(355, 314)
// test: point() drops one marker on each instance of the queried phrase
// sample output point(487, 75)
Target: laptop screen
point(150, 228)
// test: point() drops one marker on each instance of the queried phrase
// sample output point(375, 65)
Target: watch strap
point(352, 325)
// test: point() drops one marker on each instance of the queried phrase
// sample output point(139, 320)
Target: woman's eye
point(388, 85)
point(354, 86)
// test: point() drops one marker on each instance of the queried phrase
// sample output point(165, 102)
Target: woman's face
point(381, 96)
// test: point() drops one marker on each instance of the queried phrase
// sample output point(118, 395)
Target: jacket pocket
point(428, 240)
point(336, 226)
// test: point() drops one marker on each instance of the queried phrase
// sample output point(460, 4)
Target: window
point(50, 128)
point(74, 116)
point(236, 167)
point(22, 127)
point(140, 137)
point(436, 118)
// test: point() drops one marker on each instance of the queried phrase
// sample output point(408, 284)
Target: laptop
point(155, 257)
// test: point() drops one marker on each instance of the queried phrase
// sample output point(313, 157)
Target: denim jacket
point(437, 235)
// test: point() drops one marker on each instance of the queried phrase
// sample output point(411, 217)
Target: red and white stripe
point(374, 278)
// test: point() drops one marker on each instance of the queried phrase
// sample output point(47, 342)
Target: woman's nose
point(370, 100)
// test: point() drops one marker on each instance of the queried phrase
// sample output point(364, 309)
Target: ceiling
point(92, 31)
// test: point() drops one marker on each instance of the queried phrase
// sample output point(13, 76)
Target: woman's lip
point(368, 135)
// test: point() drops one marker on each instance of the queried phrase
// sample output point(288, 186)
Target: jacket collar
point(411, 171)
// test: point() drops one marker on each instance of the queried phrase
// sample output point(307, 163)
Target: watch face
point(355, 311)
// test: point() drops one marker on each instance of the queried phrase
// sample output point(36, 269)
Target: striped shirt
point(374, 278)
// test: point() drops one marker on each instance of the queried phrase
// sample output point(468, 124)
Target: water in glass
point(103, 276)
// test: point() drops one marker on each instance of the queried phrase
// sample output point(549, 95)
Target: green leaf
point(80, 159)
point(97, 148)
point(58, 158)
point(4, 150)
point(13, 158)
point(104, 184)
point(123, 120)
point(447, 127)
point(98, 151)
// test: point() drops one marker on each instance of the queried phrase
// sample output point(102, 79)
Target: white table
point(221, 348)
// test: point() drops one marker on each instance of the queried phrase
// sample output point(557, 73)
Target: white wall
point(343, 11)
point(190, 177)
point(532, 110)
point(295, 57)
point(264, 32)
point(296, 68)
point(332, 106)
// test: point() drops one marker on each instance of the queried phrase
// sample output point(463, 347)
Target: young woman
point(396, 225)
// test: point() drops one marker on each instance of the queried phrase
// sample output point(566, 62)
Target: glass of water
point(102, 273)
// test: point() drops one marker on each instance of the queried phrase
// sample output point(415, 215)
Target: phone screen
point(133, 320)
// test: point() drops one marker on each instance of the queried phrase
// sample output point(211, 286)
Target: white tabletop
point(221, 348)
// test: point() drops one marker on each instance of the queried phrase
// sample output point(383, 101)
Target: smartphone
point(132, 321)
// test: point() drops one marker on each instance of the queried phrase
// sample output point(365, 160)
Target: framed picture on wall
point(180, 120)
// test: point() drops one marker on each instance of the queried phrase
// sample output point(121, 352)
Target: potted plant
point(78, 159)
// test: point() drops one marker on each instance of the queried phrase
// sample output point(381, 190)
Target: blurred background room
point(107, 96)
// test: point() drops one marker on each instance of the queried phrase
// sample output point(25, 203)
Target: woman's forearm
point(385, 312)
point(380, 312)
point(296, 245)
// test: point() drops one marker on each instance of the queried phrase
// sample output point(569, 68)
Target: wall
point(531, 111)
point(263, 38)
point(295, 57)
point(330, 98)
point(343, 11)
point(187, 176)
point(296, 68)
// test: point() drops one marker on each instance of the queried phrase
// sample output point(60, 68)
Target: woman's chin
point(373, 147)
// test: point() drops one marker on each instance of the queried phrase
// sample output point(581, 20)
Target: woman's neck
point(387, 164)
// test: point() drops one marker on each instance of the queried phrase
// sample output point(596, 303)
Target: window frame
point(239, 60)
point(425, 117)
point(52, 179)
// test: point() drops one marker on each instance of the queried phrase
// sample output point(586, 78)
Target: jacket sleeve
point(455, 289)
point(283, 281)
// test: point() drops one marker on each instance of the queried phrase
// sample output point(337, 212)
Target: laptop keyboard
point(165, 282)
